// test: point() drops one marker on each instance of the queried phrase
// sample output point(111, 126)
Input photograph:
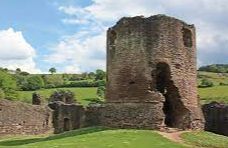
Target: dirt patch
point(174, 135)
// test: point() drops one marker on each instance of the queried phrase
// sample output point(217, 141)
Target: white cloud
point(84, 47)
point(15, 52)
point(80, 52)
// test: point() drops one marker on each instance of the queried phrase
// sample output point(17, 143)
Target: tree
point(18, 70)
point(7, 81)
point(206, 83)
point(52, 81)
point(8, 85)
point(91, 75)
point(33, 83)
point(52, 70)
point(100, 74)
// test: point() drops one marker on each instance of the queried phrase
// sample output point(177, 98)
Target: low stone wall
point(67, 116)
point(216, 117)
point(93, 115)
point(132, 115)
point(22, 118)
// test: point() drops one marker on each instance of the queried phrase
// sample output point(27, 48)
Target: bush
point(223, 84)
point(100, 74)
point(100, 83)
point(101, 92)
point(206, 83)
point(33, 83)
point(11, 94)
point(2, 94)
point(50, 86)
point(7, 81)
point(85, 83)
point(53, 81)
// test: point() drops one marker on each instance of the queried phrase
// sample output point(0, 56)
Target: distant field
point(216, 78)
point(82, 94)
point(217, 93)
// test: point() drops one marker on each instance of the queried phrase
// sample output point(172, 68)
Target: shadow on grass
point(53, 137)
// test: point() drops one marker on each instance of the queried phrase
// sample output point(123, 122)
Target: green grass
point(83, 95)
point(94, 138)
point(216, 93)
point(205, 139)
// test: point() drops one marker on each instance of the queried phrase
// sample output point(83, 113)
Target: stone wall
point(93, 115)
point(151, 62)
point(22, 118)
point(216, 117)
point(66, 116)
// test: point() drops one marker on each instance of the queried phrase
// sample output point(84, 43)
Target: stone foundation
point(133, 115)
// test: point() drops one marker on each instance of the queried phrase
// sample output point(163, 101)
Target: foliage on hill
point(7, 85)
point(218, 68)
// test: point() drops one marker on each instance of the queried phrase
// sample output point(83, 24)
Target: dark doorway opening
point(173, 108)
point(66, 124)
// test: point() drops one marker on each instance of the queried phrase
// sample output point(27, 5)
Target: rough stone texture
point(36, 99)
point(93, 115)
point(63, 95)
point(216, 117)
point(151, 74)
point(66, 116)
point(22, 118)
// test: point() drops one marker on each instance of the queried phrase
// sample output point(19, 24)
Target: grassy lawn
point(205, 139)
point(216, 93)
point(94, 138)
point(114, 138)
point(82, 94)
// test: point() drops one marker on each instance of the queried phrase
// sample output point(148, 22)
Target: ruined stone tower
point(151, 74)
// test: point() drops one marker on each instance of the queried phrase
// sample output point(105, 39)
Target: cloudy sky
point(70, 34)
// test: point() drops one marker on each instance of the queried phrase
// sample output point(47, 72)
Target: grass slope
point(82, 94)
point(205, 139)
point(95, 138)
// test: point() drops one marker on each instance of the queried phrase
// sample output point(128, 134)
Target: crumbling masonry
point(151, 74)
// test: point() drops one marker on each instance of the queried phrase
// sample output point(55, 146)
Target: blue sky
point(70, 34)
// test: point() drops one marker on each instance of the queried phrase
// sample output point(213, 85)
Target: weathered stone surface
point(151, 63)
point(22, 118)
point(62, 95)
point(66, 116)
point(216, 117)
point(93, 115)
point(36, 99)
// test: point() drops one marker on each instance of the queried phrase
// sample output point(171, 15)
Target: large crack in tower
point(151, 74)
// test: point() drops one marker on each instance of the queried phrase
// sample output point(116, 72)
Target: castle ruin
point(151, 74)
